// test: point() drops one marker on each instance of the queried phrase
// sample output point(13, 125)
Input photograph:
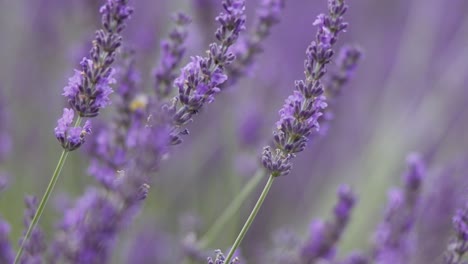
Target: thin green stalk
point(45, 198)
point(232, 209)
point(250, 219)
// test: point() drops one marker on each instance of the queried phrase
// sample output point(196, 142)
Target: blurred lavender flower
point(392, 243)
point(87, 230)
point(172, 52)
point(301, 111)
point(245, 50)
point(35, 247)
point(440, 201)
point(6, 251)
point(459, 244)
point(325, 235)
point(346, 64)
point(90, 228)
point(220, 259)
point(109, 148)
point(200, 79)
point(152, 246)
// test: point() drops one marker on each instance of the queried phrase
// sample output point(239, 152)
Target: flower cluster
point(459, 244)
point(325, 235)
point(110, 146)
point(172, 52)
point(267, 15)
point(201, 78)
point(391, 239)
point(71, 137)
point(301, 111)
point(88, 89)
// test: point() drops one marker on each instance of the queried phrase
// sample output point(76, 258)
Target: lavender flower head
point(6, 251)
point(88, 89)
point(172, 52)
point(267, 15)
point(35, 247)
point(301, 111)
point(459, 244)
point(392, 243)
point(201, 78)
point(325, 235)
point(71, 137)
point(346, 63)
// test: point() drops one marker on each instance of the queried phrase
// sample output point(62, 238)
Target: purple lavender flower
point(346, 64)
point(89, 89)
point(245, 50)
point(71, 137)
point(325, 235)
point(87, 230)
point(172, 52)
point(459, 244)
point(220, 259)
point(109, 148)
point(392, 243)
point(201, 78)
point(301, 111)
point(35, 247)
point(6, 251)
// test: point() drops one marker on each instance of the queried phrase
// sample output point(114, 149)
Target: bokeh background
point(408, 95)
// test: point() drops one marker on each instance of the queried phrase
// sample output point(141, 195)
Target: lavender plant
point(325, 235)
point(392, 239)
point(300, 113)
point(87, 92)
point(152, 110)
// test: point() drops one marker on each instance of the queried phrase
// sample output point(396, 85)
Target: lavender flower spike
point(325, 235)
point(459, 244)
point(392, 243)
point(201, 78)
point(267, 15)
point(301, 111)
point(172, 52)
point(89, 89)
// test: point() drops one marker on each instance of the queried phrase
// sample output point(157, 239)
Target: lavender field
point(233, 131)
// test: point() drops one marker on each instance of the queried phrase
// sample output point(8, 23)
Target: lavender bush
point(378, 80)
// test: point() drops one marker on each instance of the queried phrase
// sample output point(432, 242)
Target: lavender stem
point(231, 209)
point(251, 218)
point(45, 197)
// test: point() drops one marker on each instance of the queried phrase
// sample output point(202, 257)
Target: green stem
point(45, 198)
point(250, 219)
point(232, 209)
